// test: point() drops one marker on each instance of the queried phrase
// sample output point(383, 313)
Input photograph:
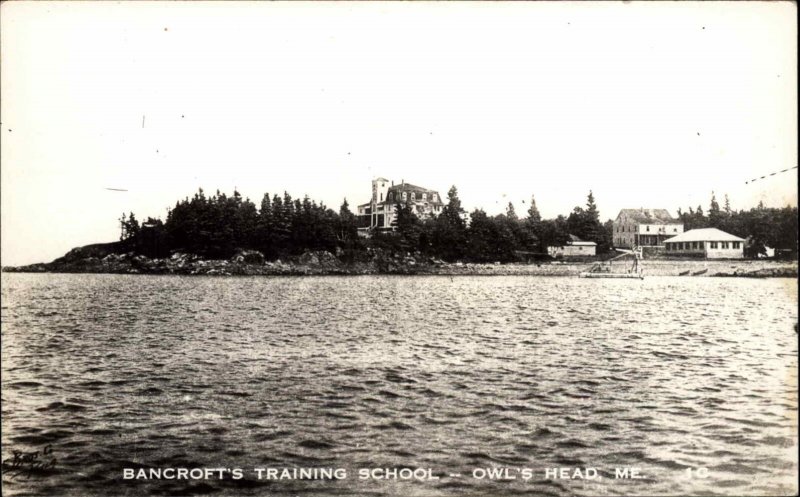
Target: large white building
point(710, 243)
point(379, 212)
point(644, 228)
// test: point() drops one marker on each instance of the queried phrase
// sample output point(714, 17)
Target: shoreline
point(325, 263)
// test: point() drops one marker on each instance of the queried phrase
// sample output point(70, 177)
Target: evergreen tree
point(281, 226)
point(266, 227)
point(448, 235)
point(532, 228)
point(591, 209)
point(129, 227)
point(511, 214)
point(490, 239)
point(452, 211)
point(714, 213)
point(408, 227)
point(533, 212)
point(348, 230)
point(554, 233)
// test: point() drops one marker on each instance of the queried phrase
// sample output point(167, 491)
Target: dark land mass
point(113, 259)
point(230, 235)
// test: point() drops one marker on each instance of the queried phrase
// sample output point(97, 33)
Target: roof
point(705, 235)
point(577, 242)
point(649, 216)
point(408, 187)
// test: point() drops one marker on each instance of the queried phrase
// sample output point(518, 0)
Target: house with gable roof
point(644, 228)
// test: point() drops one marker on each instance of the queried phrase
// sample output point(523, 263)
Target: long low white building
point(710, 243)
point(575, 247)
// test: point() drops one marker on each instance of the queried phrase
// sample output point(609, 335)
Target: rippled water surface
point(450, 374)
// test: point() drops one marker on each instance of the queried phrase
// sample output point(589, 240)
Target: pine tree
point(591, 209)
point(533, 212)
point(714, 213)
point(532, 228)
point(448, 233)
point(452, 211)
point(348, 230)
point(280, 223)
point(511, 214)
point(129, 228)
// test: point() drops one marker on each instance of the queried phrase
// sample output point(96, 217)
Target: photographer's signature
point(25, 464)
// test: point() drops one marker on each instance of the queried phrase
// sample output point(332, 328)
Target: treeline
point(761, 226)
point(504, 237)
point(217, 226)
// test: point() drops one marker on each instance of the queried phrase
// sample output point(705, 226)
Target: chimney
point(392, 182)
point(402, 181)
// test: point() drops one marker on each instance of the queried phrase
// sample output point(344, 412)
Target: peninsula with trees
point(224, 234)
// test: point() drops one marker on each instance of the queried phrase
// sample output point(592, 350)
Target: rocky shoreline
point(252, 263)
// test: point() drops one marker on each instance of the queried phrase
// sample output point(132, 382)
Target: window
point(724, 245)
point(381, 197)
point(404, 195)
point(736, 245)
point(674, 230)
point(424, 196)
point(648, 228)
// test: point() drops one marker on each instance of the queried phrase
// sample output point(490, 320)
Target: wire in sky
point(771, 174)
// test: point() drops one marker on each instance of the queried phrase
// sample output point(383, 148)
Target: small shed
point(575, 247)
point(710, 243)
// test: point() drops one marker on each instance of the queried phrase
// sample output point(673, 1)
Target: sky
point(647, 104)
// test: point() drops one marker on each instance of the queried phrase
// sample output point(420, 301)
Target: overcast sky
point(651, 104)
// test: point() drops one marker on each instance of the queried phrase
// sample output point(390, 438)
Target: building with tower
point(379, 212)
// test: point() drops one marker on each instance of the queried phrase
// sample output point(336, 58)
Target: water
point(451, 374)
